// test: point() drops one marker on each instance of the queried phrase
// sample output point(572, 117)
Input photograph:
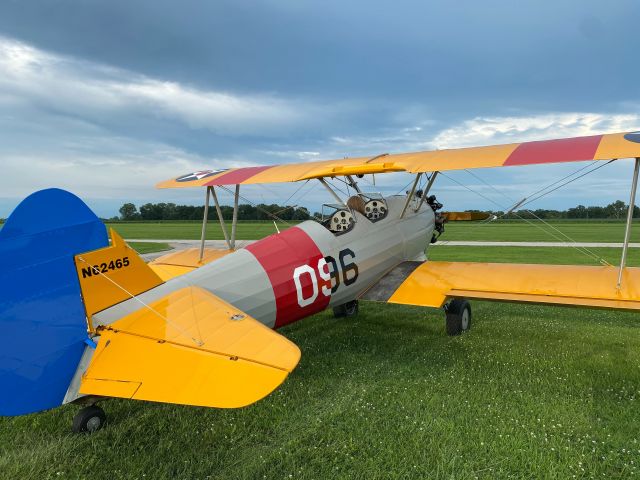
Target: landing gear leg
point(458, 313)
point(349, 309)
point(89, 419)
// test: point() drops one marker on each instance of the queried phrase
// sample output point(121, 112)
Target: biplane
point(83, 318)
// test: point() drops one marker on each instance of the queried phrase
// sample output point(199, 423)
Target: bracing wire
point(149, 307)
point(568, 182)
point(591, 253)
point(266, 212)
point(585, 251)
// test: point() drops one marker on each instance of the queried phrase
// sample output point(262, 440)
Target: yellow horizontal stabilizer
point(431, 283)
point(192, 348)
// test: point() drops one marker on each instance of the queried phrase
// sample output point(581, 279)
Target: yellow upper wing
point(594, 147)
point(430, 284)
point(190, 347)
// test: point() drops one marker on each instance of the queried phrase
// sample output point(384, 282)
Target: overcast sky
point(108, 98)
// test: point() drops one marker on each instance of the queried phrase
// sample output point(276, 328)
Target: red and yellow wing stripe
point(594, 147)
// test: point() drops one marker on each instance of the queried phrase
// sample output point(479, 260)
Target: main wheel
point(349, 309)
point(458, 316)
point(89, 419)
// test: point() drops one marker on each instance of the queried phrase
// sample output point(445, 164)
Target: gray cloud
point(106, 99)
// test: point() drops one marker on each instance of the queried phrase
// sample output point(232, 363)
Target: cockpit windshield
point(337, 218)
point(375, 206)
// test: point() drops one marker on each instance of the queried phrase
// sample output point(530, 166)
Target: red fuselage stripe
point(237, 176)
point(280, 255)
point(551, 151)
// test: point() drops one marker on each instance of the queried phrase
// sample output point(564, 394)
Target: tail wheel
point(349, 309)
point(89, 419)
point(458, 316)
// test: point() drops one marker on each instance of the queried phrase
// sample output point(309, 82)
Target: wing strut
point(627, 230)
point(234, 222)
point(220, 219)
point(411, 194)
point(231, 242)
point(335, 195)
point(426, 190)
point(353, 183)
point(205, 218)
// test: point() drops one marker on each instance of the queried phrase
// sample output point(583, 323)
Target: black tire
point(458, 316)
point(349, 309)
point(89, 419)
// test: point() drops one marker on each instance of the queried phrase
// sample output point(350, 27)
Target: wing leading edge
point(594, 147)
point(431, 284)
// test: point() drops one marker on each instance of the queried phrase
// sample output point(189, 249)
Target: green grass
point(149, 247)
point(558, 256)
point(531, 392)
point(519, 231)
point(192, 231)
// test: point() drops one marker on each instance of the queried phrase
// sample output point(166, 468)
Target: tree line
point(171, 211)
point(614, 211)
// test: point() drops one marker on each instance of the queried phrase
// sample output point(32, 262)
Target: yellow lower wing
point(191, 348)
point(431, 283)
point(178, 263)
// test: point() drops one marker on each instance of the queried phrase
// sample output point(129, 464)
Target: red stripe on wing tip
point(555, 151)
point(236, 176)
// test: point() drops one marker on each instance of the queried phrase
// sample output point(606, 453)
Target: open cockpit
point(341, 218)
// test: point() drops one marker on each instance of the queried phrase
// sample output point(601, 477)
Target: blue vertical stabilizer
point(42, 318)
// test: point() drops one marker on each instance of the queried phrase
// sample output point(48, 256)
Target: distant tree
point(300, 213)
point(577, 212)
point(616, 209)
point(128, 211)
point(596, 212)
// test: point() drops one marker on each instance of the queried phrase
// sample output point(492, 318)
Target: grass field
point(149, 247)
point(557, 256)
point(537, 232)
point(531, 392)
point(513, 231)
point(192, 230)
